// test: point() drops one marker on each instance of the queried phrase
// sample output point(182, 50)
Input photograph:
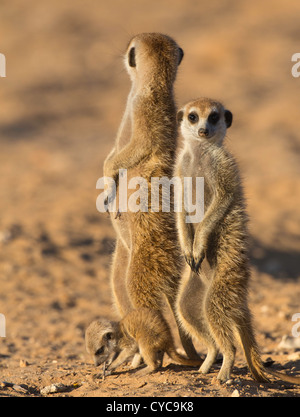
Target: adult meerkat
point(147, 262)
point(142, 331)
point(213, 306)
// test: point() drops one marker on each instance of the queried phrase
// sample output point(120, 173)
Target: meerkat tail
point(284, 377)
point(256, 366)
point(181, 359)
point(252, 355)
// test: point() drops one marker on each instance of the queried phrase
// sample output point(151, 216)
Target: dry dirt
point(61, 104)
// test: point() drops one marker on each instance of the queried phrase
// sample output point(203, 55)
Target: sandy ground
point(61, 104)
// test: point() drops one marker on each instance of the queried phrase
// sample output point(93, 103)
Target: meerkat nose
point(203, 132)
point(96, 362)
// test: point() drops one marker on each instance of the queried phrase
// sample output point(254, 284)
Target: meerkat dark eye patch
point(108, 336)
point(228, 118)
point(214, 117)
point(193, 117)
point(131, 58)
point(100, 351)
point(181, 55)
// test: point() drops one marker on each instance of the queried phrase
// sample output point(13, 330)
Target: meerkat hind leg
point(188, 346)
point(136, 361)
point(150, 358)
point(210, 359)
point(160, 358)
point(190, 311)
point(222, 312)
point(185, 338)
point(227, 365)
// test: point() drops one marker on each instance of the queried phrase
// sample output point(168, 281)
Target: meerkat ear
point(228, 118)
point(131, 58)
point(181, 55)
point(179, 116)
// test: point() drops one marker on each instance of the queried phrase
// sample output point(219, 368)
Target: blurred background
point(60, 107)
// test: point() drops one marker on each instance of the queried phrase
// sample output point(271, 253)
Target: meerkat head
point(204, 120)
point(151, 55)
point(101, 340)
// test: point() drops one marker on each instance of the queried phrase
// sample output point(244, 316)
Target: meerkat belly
point(201, 193)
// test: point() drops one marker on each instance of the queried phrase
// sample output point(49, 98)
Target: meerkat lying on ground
point(213, 299)
point(147, 264)
point(142, 331)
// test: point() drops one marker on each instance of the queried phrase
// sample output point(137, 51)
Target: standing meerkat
point(147, 264)
point(213, 299)
point(142, 331)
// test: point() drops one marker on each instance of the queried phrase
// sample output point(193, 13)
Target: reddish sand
point(61, 104)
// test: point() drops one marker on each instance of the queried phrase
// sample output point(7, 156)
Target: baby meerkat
point(213, 299)
point(142, 331)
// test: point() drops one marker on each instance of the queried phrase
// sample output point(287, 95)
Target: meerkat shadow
point(174, 367)
point(278, 263)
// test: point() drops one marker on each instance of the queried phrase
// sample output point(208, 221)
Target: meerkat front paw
point(198, 259)
point(199, 250)
point(190, 260)
point(111, 192)
point(108, 372)
point(109, 199)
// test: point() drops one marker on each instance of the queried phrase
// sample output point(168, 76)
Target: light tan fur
point(142, 331)
point(147, 264)
point(213, 300)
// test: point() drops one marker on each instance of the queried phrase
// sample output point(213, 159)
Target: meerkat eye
point(214, 117)
point(131, 58)
point(193, 117)
point(100, 351)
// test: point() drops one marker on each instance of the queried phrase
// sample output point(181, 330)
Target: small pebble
point(235, 393)
point(19, 388)
point(23, 363)
point(54, 388)
point(4, 384)
point(289, 342)
point(265, 309)
point(229, 382)
point(294, 356)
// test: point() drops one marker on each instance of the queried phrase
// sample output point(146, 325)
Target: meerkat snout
point(203, 132)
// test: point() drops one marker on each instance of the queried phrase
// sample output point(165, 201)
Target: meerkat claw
point(106, 204)
point(190, 261)
point(197, 265)
point(118, 215)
